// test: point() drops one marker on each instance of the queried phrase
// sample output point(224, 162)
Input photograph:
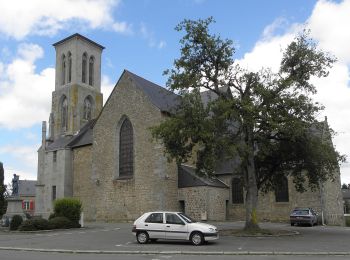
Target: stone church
point(105, 155)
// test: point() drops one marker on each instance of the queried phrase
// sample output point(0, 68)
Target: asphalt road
point(15, 255)
point(118, 237)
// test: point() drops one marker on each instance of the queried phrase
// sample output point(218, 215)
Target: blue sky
point(139, 36)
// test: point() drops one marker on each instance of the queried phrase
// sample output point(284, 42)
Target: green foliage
point(16, 222)
point(35, 223)
point(69, 208)
point(61, 222)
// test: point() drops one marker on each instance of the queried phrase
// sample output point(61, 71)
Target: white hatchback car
point(152, 226)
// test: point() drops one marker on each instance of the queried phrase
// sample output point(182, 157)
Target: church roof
point(84, 136)
point(189, 178)
point(77, 35)
point(162, 98)
point(26, 188)
point(60, 143)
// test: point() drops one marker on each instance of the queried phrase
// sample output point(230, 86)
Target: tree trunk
point(250, 184)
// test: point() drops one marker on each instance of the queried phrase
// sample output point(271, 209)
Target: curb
point(121, 252)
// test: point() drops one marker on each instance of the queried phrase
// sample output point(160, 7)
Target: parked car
point(152, 226)
point(303, 216)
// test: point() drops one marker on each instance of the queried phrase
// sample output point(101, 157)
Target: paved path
point(116, 238)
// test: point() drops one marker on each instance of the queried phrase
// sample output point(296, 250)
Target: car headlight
point(211, 229)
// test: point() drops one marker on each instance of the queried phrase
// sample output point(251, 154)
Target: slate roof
point(227, 166)
point(188, 178)
point(26, 188)
point(60, 143)
point(84, 136)
point(79, 36)
point(162, 98)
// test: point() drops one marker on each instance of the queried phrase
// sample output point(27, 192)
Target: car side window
point(155, 218)
point(173, 219)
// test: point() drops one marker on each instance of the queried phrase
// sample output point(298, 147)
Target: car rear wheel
point(142, 237)
point(197, 238)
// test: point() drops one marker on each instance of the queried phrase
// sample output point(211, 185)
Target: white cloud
point(148, 35)
point(25, 95)
point(122, 27)
point(21, 18)
point(24, 154)
point(106, 87)
point(329, 26)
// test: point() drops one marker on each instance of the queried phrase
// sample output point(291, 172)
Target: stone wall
point(84, 186)
point(270, 210)
point(154, 183)
point(333, 201)
point(204, 202)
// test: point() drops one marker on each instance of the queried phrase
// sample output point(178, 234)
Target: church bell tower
point(77, 97)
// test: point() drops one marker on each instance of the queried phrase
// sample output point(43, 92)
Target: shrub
point(61, 222)
point(69, 208)
point(35, 223)
point(16, 222)
point(52, 215)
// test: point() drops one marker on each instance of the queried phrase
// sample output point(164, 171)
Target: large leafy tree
point(267, 120)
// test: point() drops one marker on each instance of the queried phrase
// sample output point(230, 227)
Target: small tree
point(3, 203)
point(69, 208)
point(344, 186)
point(267, 120)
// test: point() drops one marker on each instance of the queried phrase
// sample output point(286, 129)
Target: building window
point(54, 156)
point(64, 113)
point(281, 191)
point(63, 75)
point(26, 205)
point(54, 195)
point(87, 108)
point(237, 191)
point(126, 149)
point(69, 67)
point(83, 68)
point(91, 71)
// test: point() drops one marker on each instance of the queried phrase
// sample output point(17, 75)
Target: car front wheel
point(197, 238)
point(142, 237)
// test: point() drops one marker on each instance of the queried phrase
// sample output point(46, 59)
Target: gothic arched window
point(91, 71)
point(64, 113)
point(126, 149)
point(69, 67)
point(237, 191)
point(83, 68)
point(63, 79)
point(281, 191)
point(87, 108)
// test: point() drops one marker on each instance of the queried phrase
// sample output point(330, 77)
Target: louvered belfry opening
point(126, 149)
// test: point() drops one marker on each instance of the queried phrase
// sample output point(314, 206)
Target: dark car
point(303, 216)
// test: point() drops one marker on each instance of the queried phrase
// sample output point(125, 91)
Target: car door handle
point(167, 226)
point(146, 225)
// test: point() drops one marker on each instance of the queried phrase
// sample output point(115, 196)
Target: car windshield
point(187, 218)
point(301, 212)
